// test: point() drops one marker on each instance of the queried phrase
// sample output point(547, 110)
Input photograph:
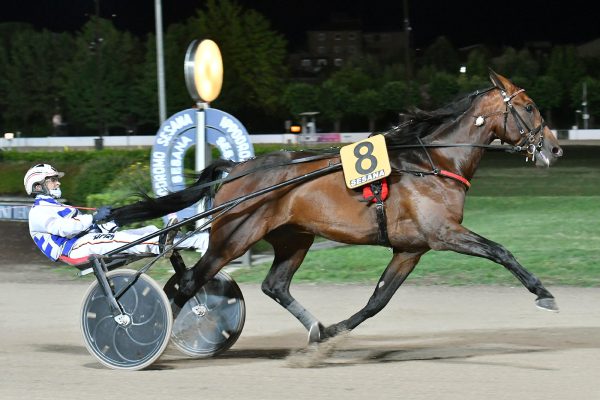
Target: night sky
point(464, 22)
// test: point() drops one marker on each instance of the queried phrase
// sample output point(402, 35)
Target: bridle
point(527, 143)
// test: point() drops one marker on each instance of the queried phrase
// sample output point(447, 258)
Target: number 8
point(368, 155)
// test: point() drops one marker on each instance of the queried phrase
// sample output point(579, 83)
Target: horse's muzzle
point(547, 155)
point(550, 151)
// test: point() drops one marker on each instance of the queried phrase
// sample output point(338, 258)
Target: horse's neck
point(462, 160)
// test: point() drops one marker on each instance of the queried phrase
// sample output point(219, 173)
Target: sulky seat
point(85, 264)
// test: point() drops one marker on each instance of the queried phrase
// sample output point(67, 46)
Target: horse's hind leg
point(225, 246)
point(401, 265)
point(290, 249)
point(464, 241)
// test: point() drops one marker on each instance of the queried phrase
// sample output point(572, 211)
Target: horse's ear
point(496, 79)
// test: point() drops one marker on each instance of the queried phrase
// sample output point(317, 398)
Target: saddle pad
point(370, 196)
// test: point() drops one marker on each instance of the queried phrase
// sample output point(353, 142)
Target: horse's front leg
point(462, 240)
point(401, 265)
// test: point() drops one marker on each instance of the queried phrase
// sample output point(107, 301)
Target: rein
point(230, 178)
point(525, 144)
point(434, 171)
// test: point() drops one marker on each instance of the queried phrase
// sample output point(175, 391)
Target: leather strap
point(456, 177)
point(382, 236)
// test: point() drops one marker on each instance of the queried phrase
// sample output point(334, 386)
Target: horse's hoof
point(315, 334)
point(547, 303)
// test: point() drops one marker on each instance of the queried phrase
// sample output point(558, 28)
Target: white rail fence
point(83, 142)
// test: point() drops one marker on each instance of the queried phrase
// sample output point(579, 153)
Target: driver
point(61, 230)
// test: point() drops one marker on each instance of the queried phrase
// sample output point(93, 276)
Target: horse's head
point(523, 125)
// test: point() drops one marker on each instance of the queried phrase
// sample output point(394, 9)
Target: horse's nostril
point(557, 151)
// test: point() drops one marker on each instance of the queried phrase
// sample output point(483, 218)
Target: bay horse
point(433, 157)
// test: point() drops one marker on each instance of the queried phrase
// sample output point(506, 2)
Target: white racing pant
point(102, 243)
point(199, 241)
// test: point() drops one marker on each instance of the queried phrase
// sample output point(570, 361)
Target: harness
point(376, 192)
point(526, 143)
point(528, 135)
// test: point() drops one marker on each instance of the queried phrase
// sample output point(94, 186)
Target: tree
point(253, 55)
point(300, 97)
point(441, 55)
point(397, 96)
point(593, 97)
point(144, 95)
point(442, 89)
point(177, 39)
point(526, 66)
point(31, 66)
point(478, 62)
point(354, 78)
point(566, 67)
point(468, 83)
point(544, 92)
point(516, 63)
point(507, 63)
point(333, 102)
point(102, 76)
point(393, 72)
point(367, 103)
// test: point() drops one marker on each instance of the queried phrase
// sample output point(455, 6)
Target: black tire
point(134, 345)
point(212, 320)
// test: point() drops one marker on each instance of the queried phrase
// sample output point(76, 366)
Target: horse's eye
point(529, 108)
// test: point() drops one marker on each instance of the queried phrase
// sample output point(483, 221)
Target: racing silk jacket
point(54, 227)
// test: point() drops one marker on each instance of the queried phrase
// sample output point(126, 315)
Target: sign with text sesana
point(178, 133)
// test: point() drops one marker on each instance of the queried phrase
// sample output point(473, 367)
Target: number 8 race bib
point(365, 161)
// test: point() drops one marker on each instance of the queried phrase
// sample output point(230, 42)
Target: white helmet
point(38, 174)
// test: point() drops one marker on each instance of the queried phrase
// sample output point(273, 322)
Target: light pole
point(96, 47)
point(407, 30)
point(584, 105)
point(203, 70)
point(160, 63)
point(577, 112)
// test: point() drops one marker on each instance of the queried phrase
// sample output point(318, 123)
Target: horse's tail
point(150, 208)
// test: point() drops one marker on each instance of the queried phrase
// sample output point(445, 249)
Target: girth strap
point(382, 234)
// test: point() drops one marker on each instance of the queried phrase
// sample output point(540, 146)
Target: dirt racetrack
point(428, 343)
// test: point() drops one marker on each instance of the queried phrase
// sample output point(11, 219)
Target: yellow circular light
point(205, 66)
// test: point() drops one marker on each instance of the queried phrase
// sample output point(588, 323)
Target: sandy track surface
point(428, 343)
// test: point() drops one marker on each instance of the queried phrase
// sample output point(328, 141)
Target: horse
point(432, 157)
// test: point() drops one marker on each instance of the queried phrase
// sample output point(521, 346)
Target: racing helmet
point(37, 175)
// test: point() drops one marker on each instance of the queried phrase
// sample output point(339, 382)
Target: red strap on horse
point(370, 196)
point(456, 177)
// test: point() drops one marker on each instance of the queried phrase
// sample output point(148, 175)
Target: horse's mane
point(420, 123)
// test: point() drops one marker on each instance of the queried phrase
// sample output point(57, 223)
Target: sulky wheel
point(212, 320)
point(136, 339)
